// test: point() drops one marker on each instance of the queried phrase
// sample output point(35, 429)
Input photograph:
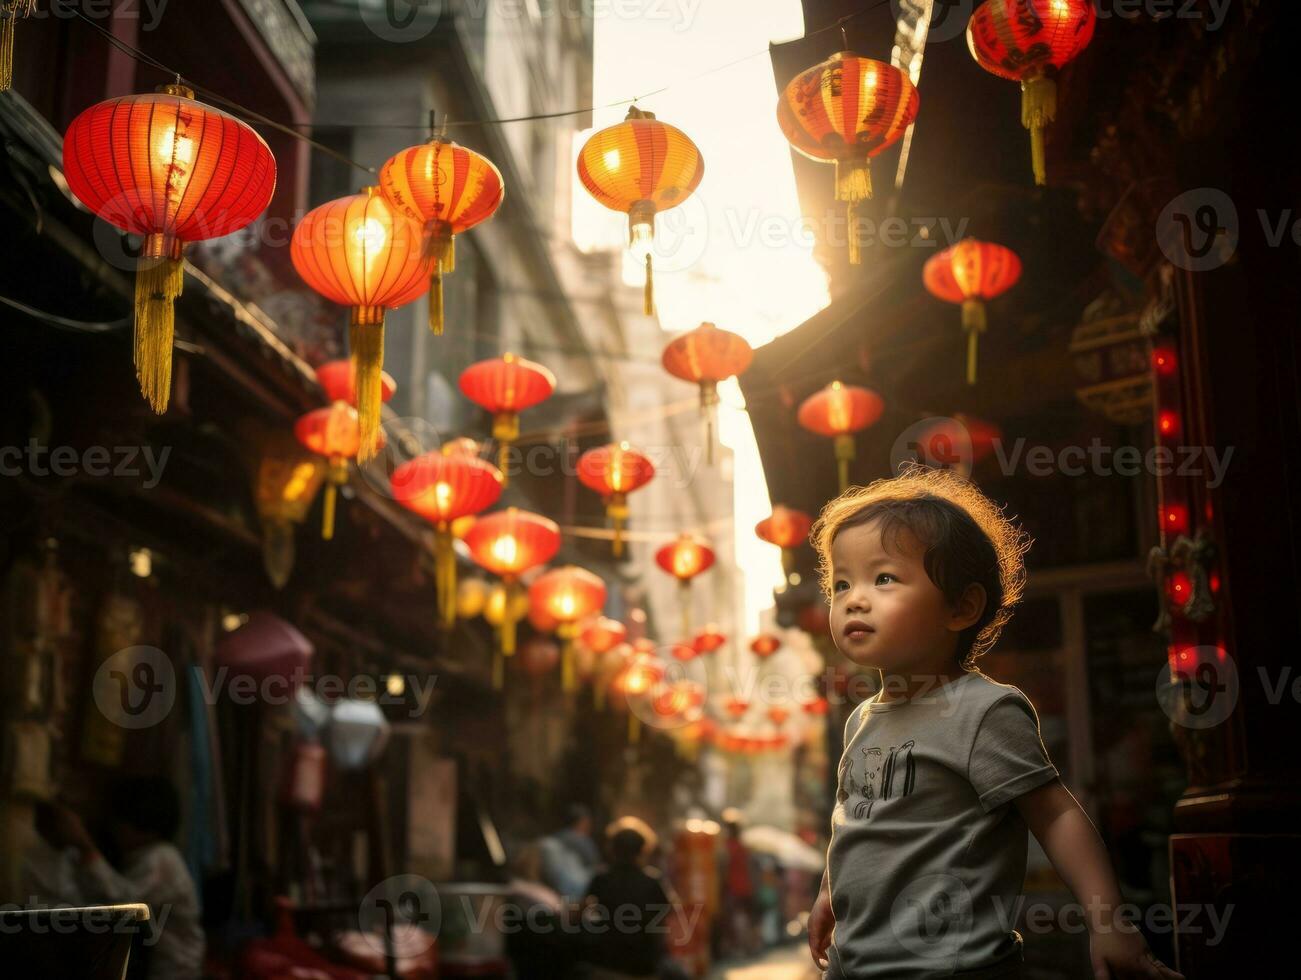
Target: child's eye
point(885, 575)
point(840, 585)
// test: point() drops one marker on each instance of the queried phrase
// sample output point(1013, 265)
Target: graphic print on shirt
point(885, 776)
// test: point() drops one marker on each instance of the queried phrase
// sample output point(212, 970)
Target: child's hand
point(821, 922)
point(1120, 953)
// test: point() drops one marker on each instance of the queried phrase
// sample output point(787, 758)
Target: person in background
point(145, 816)
point(628, 908)
point(738, 893)
point(570, 856)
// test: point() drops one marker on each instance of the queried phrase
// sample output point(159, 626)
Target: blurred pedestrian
point(570, 856)
point(628, 908)
point(738, 894)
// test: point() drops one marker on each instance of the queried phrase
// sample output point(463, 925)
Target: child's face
point(886, 613)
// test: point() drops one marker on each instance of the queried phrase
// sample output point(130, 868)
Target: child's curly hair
point(967, 540)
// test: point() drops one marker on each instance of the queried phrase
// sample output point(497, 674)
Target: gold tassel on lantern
point(445, 576)
point(617, 511)
point(10, 11)
point(505, 429)
point(641, 236)
point(337, 477)
point(973, 322)
point(844, 455)
point(566, 632)
point(440, 246)
point(854, 232)
point(853, 181)
point(1038, 110)
point(366, 338)
point(160, 276)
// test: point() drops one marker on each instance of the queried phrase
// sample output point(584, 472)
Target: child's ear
point(969, 607)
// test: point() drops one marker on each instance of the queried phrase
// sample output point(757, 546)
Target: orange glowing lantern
point(506, 386)
point(816, 706)
point(568, 595)
point(603, 634)
point(838, 411)
point(709, 639)
point(848, 109)
point(445, 189)
point(706, 356)
point(1028, 41)
point(614, 471)
point(737, 706)
point(787, 529)
point(508, 543)
point(334, 431)
point(443, 487)
point(778, 714)
point(355, 251)
point(958, 442)
point(972, 272)
point(684, 652)
point(173, 171)
point(638, 677)
point(684, 558)
point(641, 167)
point(765, 645)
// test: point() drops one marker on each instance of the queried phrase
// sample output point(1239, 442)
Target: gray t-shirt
point(927, 856)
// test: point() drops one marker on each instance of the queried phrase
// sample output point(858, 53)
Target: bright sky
point(733, 254)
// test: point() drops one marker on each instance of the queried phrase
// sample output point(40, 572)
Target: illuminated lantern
point(765, 645)
point(508, 543)
point(678, 699)
point(355, 251)
point(13, 10)
point(957, 442)
point(787, 529)
point(603, 634)
point(972, 272)
point(848, 109)
point(443, 487)
point(173, 171)
point(445, 189)
point(506, 386)
point(684, 652)
point(736, 706)
point(538, 655)
point(838, 411)
point(644, 645)
point(778, 714)
point(684, 558)
point(1028, 41)
point(706, 356)
point(568, 595)
point(614, 471)
point(638, 677)
point(640, 167)
point(816, 707)
point(334, 431)
point(709, 639)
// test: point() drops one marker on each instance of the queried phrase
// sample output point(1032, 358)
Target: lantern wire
point(289, 129)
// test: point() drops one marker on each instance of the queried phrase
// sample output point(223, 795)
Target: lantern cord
point(289, 130)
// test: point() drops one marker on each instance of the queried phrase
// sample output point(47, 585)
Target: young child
point(944, 769)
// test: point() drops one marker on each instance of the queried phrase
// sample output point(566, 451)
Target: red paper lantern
point(737, 706)
point(443, 487)
point(838, 411)
point(848, 109)
point(508, 543)
point(339, 379)
point(972, 272)
point(778, 714)
point(787, 529)
point(614, 471)
point(357, 252)
point(709, 639)
point(958, 442)
point(446, 189)
point(765, 645)
point(638, 677)
point(173, 171)
point(640, 167)
point(816, 706)
point(706, 356)
point(506, 386)
point(684, 558)
point(684, 652)
point(568, 594)
point(1028, 41)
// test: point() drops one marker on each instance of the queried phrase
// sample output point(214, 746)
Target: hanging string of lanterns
point(173, 171)
point(640, 167)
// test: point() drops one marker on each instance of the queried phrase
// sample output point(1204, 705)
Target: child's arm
point(1072, 843)
point(821, 922)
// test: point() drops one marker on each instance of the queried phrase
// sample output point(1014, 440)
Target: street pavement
point(787, 963)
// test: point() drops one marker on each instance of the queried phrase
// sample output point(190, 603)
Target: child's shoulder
point(986, 691)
